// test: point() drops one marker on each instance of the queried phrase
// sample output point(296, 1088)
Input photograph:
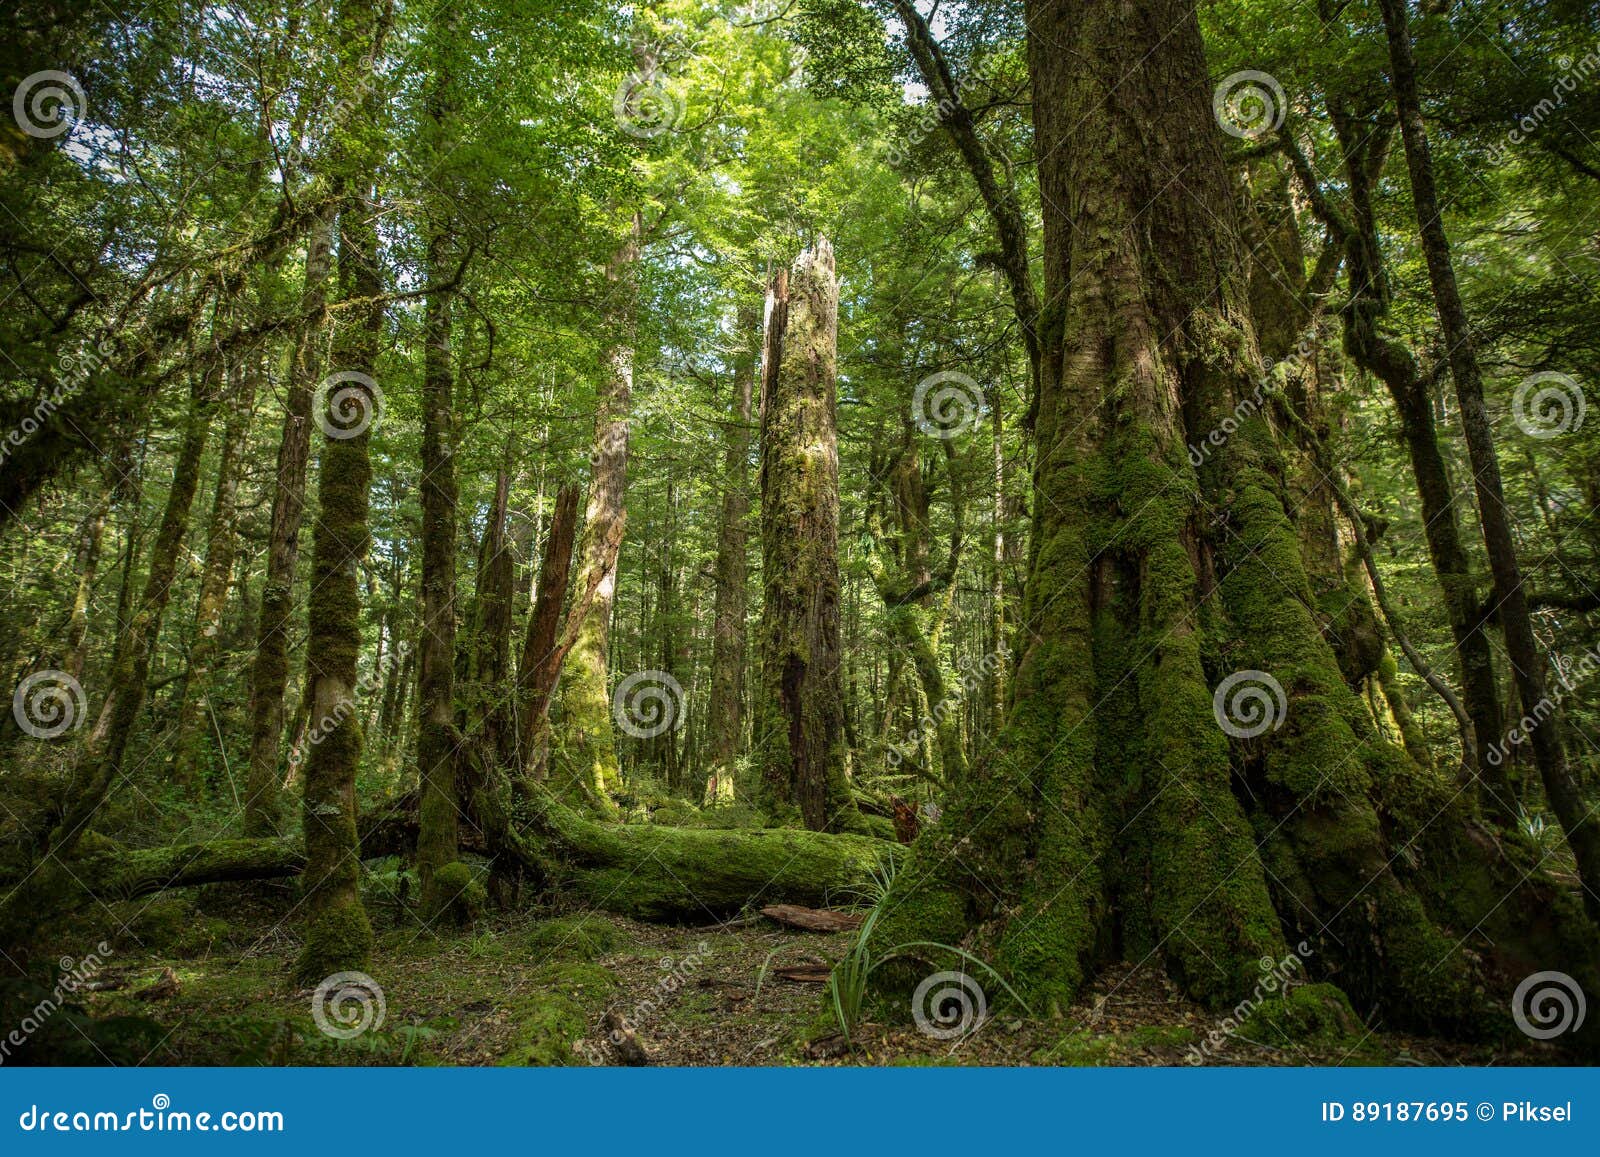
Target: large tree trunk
point(1118, 818)
point(587, 770)
point(1527, 665)
point(801, 712)
point(270, 674)
point(725, 714)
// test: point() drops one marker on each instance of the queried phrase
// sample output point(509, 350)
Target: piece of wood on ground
point(804, 973)
point(813, 919)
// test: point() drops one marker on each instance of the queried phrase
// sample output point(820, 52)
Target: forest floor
point(203, 978)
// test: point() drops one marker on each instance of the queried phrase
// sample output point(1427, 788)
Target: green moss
point(1305, 1012)
point(551, 1021)
point(1083, 1048)
point(582, 937)
point(460, 893)
point(338, 939)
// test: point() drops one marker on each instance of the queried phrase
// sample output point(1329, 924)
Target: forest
point(800, 532)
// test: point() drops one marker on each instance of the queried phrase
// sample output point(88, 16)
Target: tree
point(801, 722)
point(1108, 813)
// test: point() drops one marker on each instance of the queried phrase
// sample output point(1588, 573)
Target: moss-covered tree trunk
point(585, 767)
point(800, 717)
point(221, 546)
point(1140, 805)
point(725, 708)
point(269, 678)
point(437, 736)
point(903, 575)
point(338, 936)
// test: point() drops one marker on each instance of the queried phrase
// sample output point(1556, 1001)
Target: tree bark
point(587, 770)
point(801, 740)
point(540, 667)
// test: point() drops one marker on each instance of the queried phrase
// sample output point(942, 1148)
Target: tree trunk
point(540, 667)
point(338, 936)
point(221, 544)
point(1527, 666)
point(438, 739)
point(801, 725)
point(725, 708)
point(587, 771)
point(1117, 818)
point(270, 673)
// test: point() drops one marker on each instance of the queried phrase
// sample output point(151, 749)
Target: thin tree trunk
point(338, 936)
point(1363, 149)
point(221, 545)
point(87, 562)
point(270, 673)
point(541, 660)
point(1527, 666)
point(438, 739)
point(725, 723)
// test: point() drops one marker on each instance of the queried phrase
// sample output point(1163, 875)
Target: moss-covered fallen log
point(646, 871)
point(655, 872)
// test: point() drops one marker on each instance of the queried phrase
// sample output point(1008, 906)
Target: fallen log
point(647, 871)
point(655, 872)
